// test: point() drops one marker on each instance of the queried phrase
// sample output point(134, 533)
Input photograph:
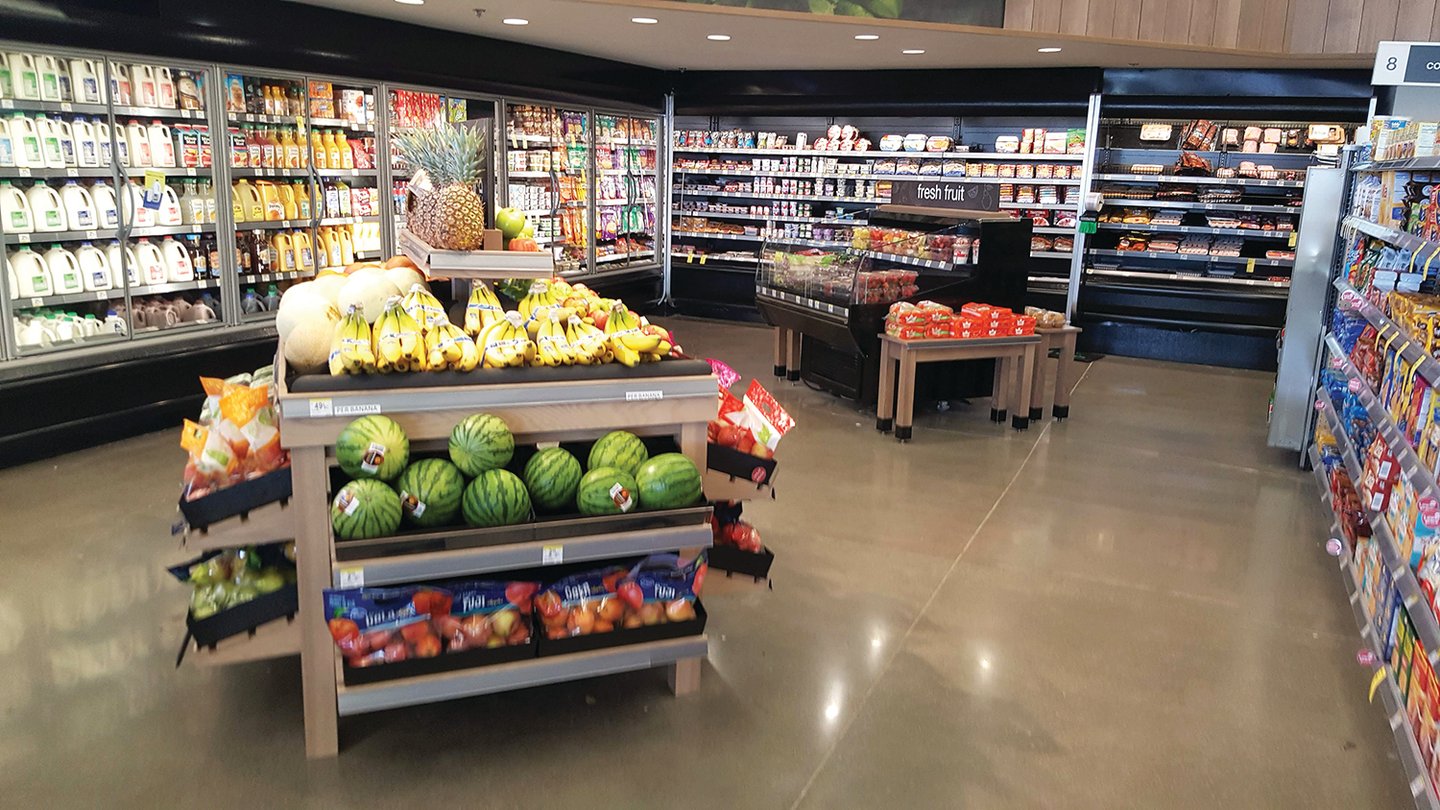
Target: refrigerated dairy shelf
point(114, 293)
point(46, 237)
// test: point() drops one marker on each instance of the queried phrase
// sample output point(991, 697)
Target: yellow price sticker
point(702, 259)
point(1293, 236)
point(689, 258)
point(1250, 266)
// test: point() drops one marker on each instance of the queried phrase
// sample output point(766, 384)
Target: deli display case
point(836, 289)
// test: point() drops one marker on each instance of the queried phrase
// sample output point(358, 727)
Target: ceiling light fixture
point(644, 20)
point(411, 2)
point(912, 51)
point(867, 37)
point(515, 21)
point(1049, 50)
point(718, 37)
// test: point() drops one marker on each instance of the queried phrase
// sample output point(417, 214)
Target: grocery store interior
point(1001, 403)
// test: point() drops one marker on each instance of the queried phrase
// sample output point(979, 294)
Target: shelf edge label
point(358, 409)
point(321, 407)
point(639, 396)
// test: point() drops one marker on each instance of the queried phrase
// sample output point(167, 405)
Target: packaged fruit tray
point(320, 383)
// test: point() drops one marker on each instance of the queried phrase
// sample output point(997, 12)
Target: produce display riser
point(276, 639)
point(679, 406)
point(271, 523)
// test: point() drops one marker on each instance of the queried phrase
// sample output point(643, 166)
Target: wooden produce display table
point(672, 398)
point(1014, 367)
point(1062, 338)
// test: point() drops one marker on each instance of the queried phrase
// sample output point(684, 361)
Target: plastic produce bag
point(657, 590)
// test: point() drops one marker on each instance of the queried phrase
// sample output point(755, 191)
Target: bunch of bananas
point(399, 343)
point(536, 305)
point(448, 348)
point(424, 308)
point(351, 351)
point(552, 344)
point(506, 343)
point(629, 340)
point(482, 310)
point(590, 344)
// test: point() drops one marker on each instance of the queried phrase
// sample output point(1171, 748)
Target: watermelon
point(619, 449)
point(552, 476)
point(481, 442)
point(606, 491)
point(495, 498)
point(363, 509)
point(668, 481)
point(373, 447)
point(430, 491)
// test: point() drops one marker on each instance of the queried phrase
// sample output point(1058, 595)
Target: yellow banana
point(387, 337)
point(469, 356)
point(624, 354)
point(337, 344)
point(624, 326)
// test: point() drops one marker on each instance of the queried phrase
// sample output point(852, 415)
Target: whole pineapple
point(450, 214)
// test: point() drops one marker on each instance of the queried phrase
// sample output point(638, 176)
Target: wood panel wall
point(1295, 26)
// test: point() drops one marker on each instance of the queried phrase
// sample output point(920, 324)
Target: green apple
point(510, 221)
point(502, 622)
point(528, 232)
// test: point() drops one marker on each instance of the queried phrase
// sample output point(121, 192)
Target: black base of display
point(621, 637)
point(1020, 423)
point(902, 433)
point(1252, 348)
point(245, 617)
point(779, 371)
point(444, 662)
point(884, 425)
point(236, 500)
point(732, 560)
point(1036, 414)
point(793, 376)
point(1062, 411)
point(998, 415)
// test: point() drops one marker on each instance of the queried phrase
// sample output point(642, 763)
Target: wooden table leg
point(685, 676)
point(905, 405)
point(312, 564)
point(794, 356)
point(998, 391)
point(782, 345)
point(1064, 375)
point(1024, 367)
point(1037, 378)
point(885, 399)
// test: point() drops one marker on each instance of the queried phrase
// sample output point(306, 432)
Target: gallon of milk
point(162, 145)
point(31, 277)
point(137, 138)
point(178, 266)
point(94, 268)
point(138, 215)
point(169, 213)
point(142, 83)
point(49, 78)
point(27, 142)
point(15, 213)
point(152, 263)
point(7, 83)
point(120, 83)
point(87, 148)
point(24, 77)
point(7, 144)
point(102, 137)
point(80, 212)
point(165, 88)
point(46, 209)
point(123, 262)
point(107, 210)
point(67, 141)
point(64, 270)
point(85, 81)
point(50, 147)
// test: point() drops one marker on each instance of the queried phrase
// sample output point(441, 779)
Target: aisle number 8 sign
point(1406, 63)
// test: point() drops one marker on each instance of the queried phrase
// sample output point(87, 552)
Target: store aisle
point(1131, 608)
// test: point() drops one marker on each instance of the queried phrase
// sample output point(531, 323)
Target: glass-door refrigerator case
point(423, 108)
point(626, 179)
point(107, 208)
point(547, 176)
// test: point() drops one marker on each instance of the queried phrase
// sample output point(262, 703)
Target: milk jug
point(142, 82)
point(79, 207)
point(24, 77)
point(94, 268)
point(87, 150)
point(304, 253)
point(138, 138)
point(169, 213)
point(85, 81)
point(49, 78)
point(120, 83)
point(165, 88)
point(107, 210)
point(7, 143)
point(27, 142)
point(15, 214)
point(114, 323)
point(50, 149)
point(7, 83)
point(102, 138)
point(64, 270)
point(178, 266)
point(143, 217)
point(67, 140)
point(152, 264)
point(162, 146)
point(123, 262)
point(32, 279)
point(46, 209)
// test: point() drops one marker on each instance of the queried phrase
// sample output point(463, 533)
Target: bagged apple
point(486, 615)
point(374, 626)
point(659, 589)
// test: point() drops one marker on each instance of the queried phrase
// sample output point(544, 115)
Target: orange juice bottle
point(318, 153)
point(286, 193)
point(302, 199)
point(267, 148)
point(290, 148)
point(304, 255)
point(333, 150)
point(347, 158)
point(284, 249)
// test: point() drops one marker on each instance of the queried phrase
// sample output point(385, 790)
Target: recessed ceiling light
point(515, 21)
point(411, 2)
point(644, 20)
point(912, 51)
point(1049, 50)
point(867, 37)
point(718, 37)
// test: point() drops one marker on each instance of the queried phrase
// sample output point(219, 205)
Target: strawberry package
point(659, 590)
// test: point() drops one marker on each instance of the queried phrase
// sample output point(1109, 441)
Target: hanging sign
point(939, 194)
point(1406, 63)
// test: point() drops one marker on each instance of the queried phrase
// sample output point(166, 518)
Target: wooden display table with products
point(1063, 339)
point(672, 398)
point(1014, 368)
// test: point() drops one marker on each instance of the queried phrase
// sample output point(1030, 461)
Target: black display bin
point(741, 465)
point(444, 662)
point(732, 560)
point(237, 499)
point(620, 636)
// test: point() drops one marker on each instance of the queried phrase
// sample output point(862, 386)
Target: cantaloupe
point(329, 286)
point(369, 290)
point(307, 347)
point(406, 277)
point(400, 261)
point(303, 302)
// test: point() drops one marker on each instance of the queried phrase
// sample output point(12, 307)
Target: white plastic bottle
point(87, 148)
point(137, 139)
point(123, 262)
point(162, 146)
point(152, 263)
point(66, 135)
point(28, 153)
point(178, 266)
point(31, 277)
point(120, 83)
point(107, 208)
point(136, 213)
point(7, 144)
point(114, 324)
point(80, 214)
point(169, 213)
point(142, 83)
point(24, 76)
point(94, 268)
point(50, 146)
point(7, 83)
point(85, 81)
point(102, 137)
point(165, 88)
point(49, 78)
point(15, 213)
point(11, 282)
point(46, 208)
point(64, 271)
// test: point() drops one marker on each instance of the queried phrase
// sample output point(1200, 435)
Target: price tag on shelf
point(101, 295)
point(91, 235)
point(1354, 386)
point(37, 302)
point(354, 172)
point(352, 577)
point(23, 172)
point(1250, 265)
point(552, 555)
point(321, 407)
point(6, 104)
point(22, 238)
point(702, 259)
point(66, 106)
point(1375, 680)
point(72, 172)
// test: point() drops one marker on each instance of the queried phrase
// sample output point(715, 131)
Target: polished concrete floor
point(1128, 609)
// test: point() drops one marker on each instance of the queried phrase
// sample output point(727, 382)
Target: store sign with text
point(1406, 63)
point(941, 194)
